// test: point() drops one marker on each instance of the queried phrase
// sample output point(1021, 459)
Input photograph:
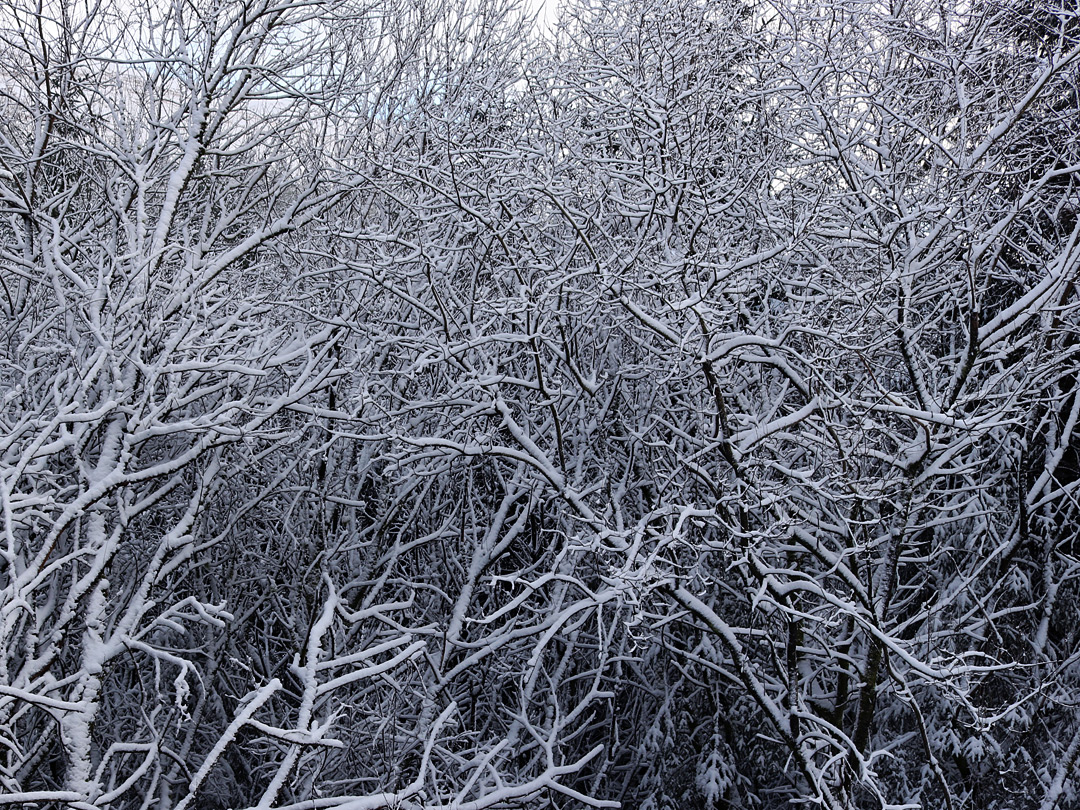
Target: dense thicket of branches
point(405, 408)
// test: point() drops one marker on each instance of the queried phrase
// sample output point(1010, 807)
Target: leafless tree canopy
point(409, 405)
